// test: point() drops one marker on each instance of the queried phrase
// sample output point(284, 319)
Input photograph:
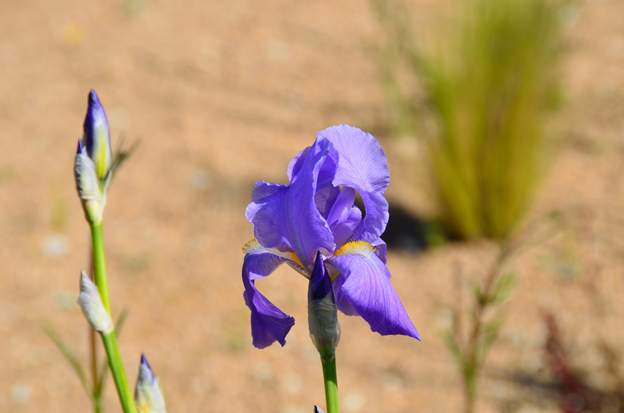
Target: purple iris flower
point(316, 213)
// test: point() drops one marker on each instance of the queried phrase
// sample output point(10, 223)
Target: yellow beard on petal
point(355, 247)
point(253, 246)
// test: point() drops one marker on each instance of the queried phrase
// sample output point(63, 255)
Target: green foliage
point(481, 99)
point(69, 356)
point(93, 390)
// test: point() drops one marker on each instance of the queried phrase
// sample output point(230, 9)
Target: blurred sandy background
point(221, 94)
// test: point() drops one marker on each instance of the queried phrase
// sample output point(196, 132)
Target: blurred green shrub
point(480, 97)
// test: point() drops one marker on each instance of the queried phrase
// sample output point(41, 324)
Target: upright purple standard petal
point(363, 287)
point(343, 217)
point(287, 217)
point(268, 323)
point(362, 165)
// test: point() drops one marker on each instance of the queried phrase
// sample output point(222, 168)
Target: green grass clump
point(481, 98)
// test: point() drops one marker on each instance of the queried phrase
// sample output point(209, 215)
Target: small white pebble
point(354, 402)
point(65, 300)
point(292, 384)
point(201, 179)
point(20, 393)
point(55, 246)
point(263, 372)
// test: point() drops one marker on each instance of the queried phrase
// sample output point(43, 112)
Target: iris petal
point(363, 288)
point(268, 322)
point(362, 165)
point(287, 217)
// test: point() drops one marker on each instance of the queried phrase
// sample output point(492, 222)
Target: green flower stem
point(118, 372)
point(328, 360)
point(110, 341)
point(99, 264)
point(93, 363)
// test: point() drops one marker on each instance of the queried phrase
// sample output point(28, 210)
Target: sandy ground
point(220, 95)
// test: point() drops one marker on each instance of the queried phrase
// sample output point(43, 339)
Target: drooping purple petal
point(363, 287)
point(287, 217)
point(362, 165)
point(268, 322)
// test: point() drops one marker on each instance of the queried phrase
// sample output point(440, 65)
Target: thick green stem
point(110, 341)
point(331, 382)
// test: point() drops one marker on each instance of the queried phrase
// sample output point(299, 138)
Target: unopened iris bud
point(92, 307)
point(322, 311)
point(147, 394)
point(318, 410)
point(92, 165)
point(97, 136)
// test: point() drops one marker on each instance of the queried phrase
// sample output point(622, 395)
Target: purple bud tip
point(93, 98)
point(317, 409)
point(146, 374)
point(320, 284)
point(79, 147)
point(95, 119)
point(144, 361)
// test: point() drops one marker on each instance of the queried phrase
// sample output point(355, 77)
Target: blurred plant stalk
point(470, 339)
point(470, 350)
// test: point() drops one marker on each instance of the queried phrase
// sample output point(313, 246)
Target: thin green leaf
point(479, 296)
point(122, 154)
point(69, 356)
point(453, 347)
point(503, 287)
point(488, 337)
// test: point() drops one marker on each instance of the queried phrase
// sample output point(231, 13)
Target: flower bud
point(90, 192)
point(318, 410)
point(147, 394)
point(322, 310)
point(97, 137)
point(92, 307)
